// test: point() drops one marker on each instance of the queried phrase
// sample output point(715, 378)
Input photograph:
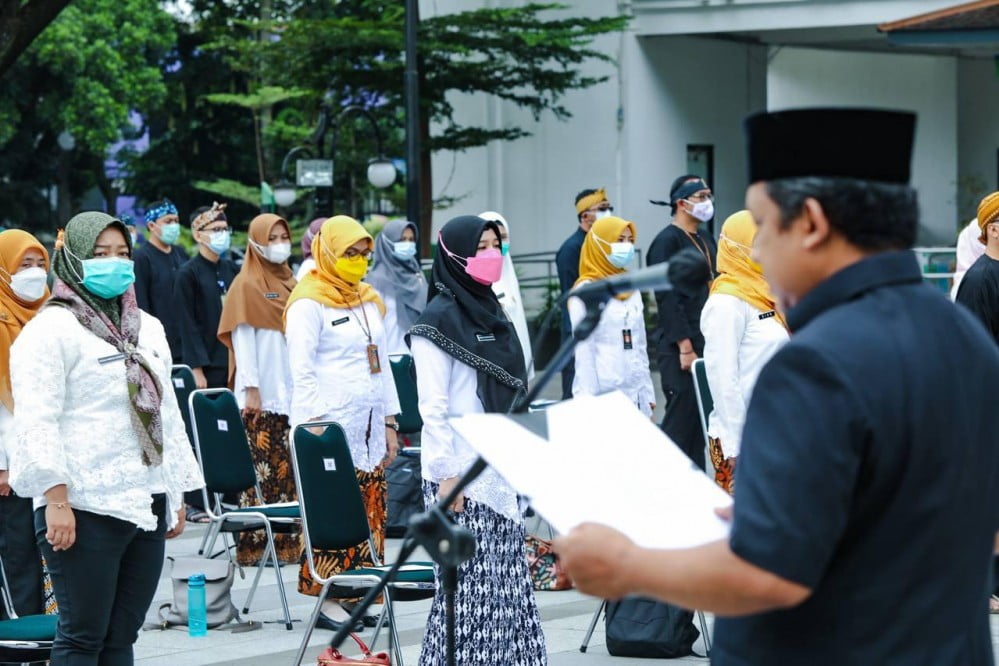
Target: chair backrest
point(404, 373)
point(220, 441)
point(333, 512)
point(183, 383)
point(705, 404)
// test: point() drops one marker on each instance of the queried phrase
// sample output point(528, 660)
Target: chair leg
point(204, 537)
point(393, 632)
point(311, 625)
point(593, 625)
point(382, 620)
point(705, 633)
point(277, 573)
point(256, 578)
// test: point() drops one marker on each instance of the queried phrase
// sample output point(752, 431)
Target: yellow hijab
point(322, 284)
point(739, 275)
point(593, 261)
point(14, 312)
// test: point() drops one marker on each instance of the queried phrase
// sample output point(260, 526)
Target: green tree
point(20, 23)
point(86, 74)
point(355, 50)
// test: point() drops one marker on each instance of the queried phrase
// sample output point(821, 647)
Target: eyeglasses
point(700, 197)
point(351, 253)
point(601, 208)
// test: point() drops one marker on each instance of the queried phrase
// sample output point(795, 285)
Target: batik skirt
point(268, 435)
point(331, 562)
point(496, 614)
point(724, 467)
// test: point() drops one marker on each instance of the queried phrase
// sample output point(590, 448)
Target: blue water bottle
point(197, 620)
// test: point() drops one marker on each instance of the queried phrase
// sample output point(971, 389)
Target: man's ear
point(816, 226)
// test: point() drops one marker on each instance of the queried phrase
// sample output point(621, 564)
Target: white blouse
point(446, 387)
point(262, 361)
point(605, 361)
point(395, 336)
point(6, 432)
point(303, 270)
point(739, 339)
point(331, 376)
point(75, 425)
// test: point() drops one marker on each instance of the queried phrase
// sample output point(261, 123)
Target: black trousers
point(104, 584)
point(21, 559)
point(681, 421)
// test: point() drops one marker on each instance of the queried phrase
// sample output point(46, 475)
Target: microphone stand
point(448, 544)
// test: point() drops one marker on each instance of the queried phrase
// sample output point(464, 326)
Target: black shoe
point(325, 622)
point(370, 620)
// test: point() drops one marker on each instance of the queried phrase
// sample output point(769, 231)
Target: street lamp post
point(319, 172)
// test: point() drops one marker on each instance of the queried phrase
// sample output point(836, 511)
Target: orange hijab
point(739, 275)
point(322, 284)
point(14, 313)
point(593, 261)
point(258, 294)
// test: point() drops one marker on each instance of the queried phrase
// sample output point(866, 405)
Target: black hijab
point(464, 318)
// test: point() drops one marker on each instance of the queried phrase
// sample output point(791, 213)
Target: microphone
point(684, 272)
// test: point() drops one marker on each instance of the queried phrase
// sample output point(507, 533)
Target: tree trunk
point(21, 23)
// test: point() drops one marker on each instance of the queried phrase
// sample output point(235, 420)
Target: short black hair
point(871, 215)
point(584, 193)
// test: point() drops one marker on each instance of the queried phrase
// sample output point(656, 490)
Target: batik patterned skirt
point(496, 614)
point(330, 562)
point(724, 467)
point(268, 435)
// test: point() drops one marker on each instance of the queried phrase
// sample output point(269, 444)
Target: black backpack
point(639, 627)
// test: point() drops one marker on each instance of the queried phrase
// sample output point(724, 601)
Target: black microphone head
point(688, 271)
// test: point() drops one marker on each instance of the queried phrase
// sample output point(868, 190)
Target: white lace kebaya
point(74, 423)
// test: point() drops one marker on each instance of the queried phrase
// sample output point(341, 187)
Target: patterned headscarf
point(114, 320)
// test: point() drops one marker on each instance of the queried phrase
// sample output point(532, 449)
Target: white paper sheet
point(603, 462)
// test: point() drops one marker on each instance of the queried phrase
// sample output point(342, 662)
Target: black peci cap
point(866, 144)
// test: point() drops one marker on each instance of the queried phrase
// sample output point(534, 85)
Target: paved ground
point(565, 617)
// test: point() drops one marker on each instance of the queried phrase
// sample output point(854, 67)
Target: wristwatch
point(394, 426)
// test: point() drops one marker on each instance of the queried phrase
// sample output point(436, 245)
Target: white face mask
point(29, 284)
point(276, 253)
point(703, 210)
point(603, 213)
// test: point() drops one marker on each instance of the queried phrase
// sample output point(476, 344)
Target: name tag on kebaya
point(768, 315)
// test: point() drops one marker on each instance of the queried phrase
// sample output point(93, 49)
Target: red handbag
point(332, 656)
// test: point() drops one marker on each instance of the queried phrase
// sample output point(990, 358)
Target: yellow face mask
point(352, 269)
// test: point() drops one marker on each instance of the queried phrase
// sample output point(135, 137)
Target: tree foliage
point(78, 76)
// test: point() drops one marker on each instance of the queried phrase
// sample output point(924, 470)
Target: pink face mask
point(486, 267)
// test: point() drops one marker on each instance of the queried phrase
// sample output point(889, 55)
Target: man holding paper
point(868, 503)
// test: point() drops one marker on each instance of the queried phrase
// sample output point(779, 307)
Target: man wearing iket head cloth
point(867, 502)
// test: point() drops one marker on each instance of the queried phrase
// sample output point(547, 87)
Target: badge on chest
point(373, 363)
point(626, 338)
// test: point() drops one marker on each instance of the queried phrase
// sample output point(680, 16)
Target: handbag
point(219, 576)
point(639, 627)
point(545, 569)
point(331, 656)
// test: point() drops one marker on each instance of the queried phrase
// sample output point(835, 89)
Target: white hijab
point(507, 290)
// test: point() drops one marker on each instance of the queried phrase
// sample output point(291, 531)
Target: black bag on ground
point(405, 492)
point(639, 627)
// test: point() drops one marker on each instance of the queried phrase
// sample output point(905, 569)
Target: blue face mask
point(108, 277)
point(169, 233)
point(404, 249)
point(621, 254)
point(505, 247)
point(218, 241)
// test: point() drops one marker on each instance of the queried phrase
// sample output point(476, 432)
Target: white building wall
point(924, 84)
point(978, 133)
point(680, 91)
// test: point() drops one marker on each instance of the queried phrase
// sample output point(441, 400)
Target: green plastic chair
point(24, 639)
point(705, 404)
point(334, 517)
point(404, 373)
point(224, 455)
